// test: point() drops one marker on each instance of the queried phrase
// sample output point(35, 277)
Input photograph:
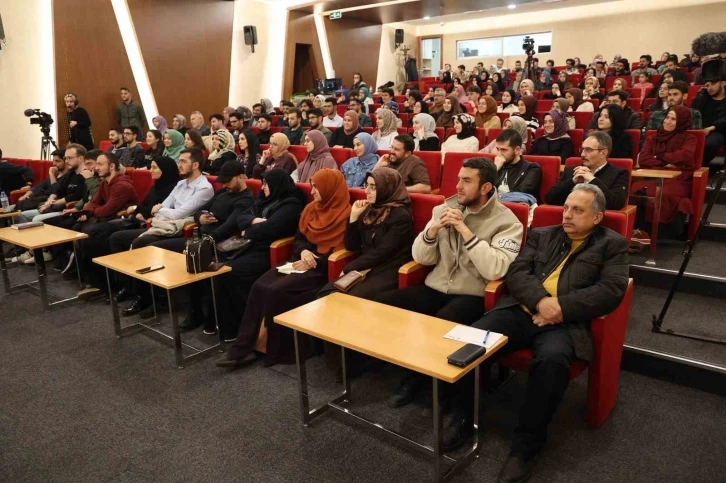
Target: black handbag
point(201, 253)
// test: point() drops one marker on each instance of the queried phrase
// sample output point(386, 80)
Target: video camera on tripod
point(530, 72)
point(44, 120)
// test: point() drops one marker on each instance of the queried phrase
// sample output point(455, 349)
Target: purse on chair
point(201, 253)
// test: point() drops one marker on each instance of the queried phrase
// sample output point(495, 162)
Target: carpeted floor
point(77, 404)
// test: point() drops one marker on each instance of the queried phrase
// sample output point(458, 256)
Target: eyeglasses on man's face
point(587, 150)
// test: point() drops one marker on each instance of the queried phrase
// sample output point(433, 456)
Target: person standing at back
point(79, 122)
point(128, 113)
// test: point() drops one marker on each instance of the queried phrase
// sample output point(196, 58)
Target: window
point(498, 46)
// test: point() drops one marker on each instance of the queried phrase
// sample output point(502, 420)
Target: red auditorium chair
point(635, 141)
point(647, 102)
point(341, 109)
point(300, 153)
point(341, 155)
point(503, 116)
point(370, 130)
point(608, 332)
point(634, 104)
point(582, 119)
point(403, 130)
point(692, 93)
point(700, 181)
point(142, 181)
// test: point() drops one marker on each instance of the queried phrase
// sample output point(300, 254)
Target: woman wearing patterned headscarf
point(319, 157)
point(450, 109)
point(527, 107)
point(556, 141)
point(355, 169)
point(561, 104)
point(161, 125)
point(464, 141)
point(393, 107)
point(424, 133)
point(222, 151)
point(387, 129)
point(516, 123)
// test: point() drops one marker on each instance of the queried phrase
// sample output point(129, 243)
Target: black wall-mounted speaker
point(399, 36)
point(250, 33)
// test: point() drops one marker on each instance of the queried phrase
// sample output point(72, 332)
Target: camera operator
point(79, 122)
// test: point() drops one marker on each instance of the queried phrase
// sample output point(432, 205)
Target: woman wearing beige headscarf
point(276, 156)
point(516, 123)
point(387, 130)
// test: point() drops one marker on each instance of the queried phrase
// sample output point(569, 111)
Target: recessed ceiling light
point(511, 7)
point(427, 18)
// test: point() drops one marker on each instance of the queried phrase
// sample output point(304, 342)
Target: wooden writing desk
point(173, 275)
point(404, 338)
point(656, 173)
point(10, 214)
point(36, 239)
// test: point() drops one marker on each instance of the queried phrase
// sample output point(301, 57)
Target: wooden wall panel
point(187, 49)
point(354, 46)
point(90, 61)
point(300, 30)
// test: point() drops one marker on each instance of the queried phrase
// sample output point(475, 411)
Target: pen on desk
point(486, 336)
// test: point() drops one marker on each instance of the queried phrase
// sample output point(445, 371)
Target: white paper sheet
point(470, 335)
point(287, 269)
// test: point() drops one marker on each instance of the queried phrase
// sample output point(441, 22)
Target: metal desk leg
point(114, 307)
point(178, 354)
point(657, 202)
point(346, 381)
point(302, 381)
point(216, 319)
point(477, 433)
point(4, 269)
point(438, 435)
point(40, 265)
point(78, 267)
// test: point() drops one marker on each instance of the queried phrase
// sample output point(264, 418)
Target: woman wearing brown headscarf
point(276, 156)
point(527, 110)
point(319, 157)
point(321, 230)
point(575, 100)
point(486, 114)
point(450, 109)
point(343, 136)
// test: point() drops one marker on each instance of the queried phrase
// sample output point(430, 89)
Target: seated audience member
point(155, 149)
point(318, 157)
point(393, 107)
point(516, 123)
point(197, 121)
point(543, 82)
point(387, 130)
point(548, 309)
point(250, 151)
point(412, 168)
point(320, 231)
point(673, 147)
point(643, 68)
point(556, 141)
point(508, 103)
point(497, 81)
point(600, 71)
point(514, 173)
point(661, 98)
point(471, 239)
point(555, 91)
point(168, 218)
point(386, 95)
point(276, 156)
point(332, 119)
point(294, 130)
point(165, 173)
point(315, 119)
point(450, 109)
point(343, 136)
point(236, 124)
point(632, 118)
point(620, 85)
point(364, 96)
point(355, 169)
point(576, 103)
point(160, 124)
point(437, 108)
point(319, 101)
point(37, 195)
point(285, 106)
point(492, 90)
point(562, 105)
point(192, 139)
point(267, 106)
point(527, 110)
point(273, 215)
point(592, 89)
point(424, 133)
point(133, 156)
point(643, 86)
point(13, 176)
point(464, 139)
point(526, 88)
point(612, 121)
point(621, 68)
point(517, 81)
point(116, 136)
point(222, 151)
point(179, 122)
point(115, 193)
point(264, 123)
point(174, 144)
point(677, 96)
point(563, 81)
point(305, 106)
point(485, 114)
point(570, 67)
point(364, 120)
point(419, 107)
point(711, 103)
point(595, 170)
point(473, 93)
point(671, 63)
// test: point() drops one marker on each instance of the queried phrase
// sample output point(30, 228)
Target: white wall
point(27, 75)
point(259, 75)
point(386, 55)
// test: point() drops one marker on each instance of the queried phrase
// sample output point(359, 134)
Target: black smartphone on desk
point(466, 355)
point(152, 268)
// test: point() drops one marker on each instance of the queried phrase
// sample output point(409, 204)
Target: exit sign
point(336, 15)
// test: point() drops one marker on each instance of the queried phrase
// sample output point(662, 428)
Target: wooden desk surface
point(9, 215)
point(404, 338)
point(173, 275)
point(656, 173)
point(39, 236)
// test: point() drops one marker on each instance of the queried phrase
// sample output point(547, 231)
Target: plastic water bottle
point(5, 201)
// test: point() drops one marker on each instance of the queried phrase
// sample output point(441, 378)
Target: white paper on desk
point(471, 335)
point(287, 269)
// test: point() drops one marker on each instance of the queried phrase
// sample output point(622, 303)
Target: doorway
point(305, 71)
point(430, 48)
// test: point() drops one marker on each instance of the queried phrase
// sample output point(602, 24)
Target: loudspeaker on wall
point(399, 36)
point(250, 34)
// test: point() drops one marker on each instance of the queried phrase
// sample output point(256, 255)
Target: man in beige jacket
point(471, 239)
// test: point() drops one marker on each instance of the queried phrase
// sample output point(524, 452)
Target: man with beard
point(514, 173)
point(411, 168)
point(711, 102)
point(128, 113)
point(134, 155)
point(188, 196)
point(315, 119)
point(471, 239)
point(677, 96)
point(79, 122)
point(115, 135)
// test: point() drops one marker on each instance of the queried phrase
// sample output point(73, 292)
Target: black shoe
point(123, 295)
point(459, 430)
point(516, 470)
point(136, 306)
point(235, 363)
point(406, 392)
point(190, 323)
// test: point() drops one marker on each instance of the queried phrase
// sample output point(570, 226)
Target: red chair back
point(634, 104)
point(306, 189)
point(255, 185)
point(276, 129)
point(481, 135)
point(550, 172)
point(216, 185)
point(450, 171)
point(403, 130)
point(503, 116)
point(104, 145)
point(692, 93)
point(142, 181)
point(300, 153)
point(550, 215)
point(404, 119)
point(432, 160)
point(356, 194)
point(582, 119)
point(341, 155)
point(342, 109)
point(521, 211)
point(370, 130)
point(635, 141)
point(492, 134)
point(421, 208)
point(440, 134)
point(595, 103)
point(647, 103)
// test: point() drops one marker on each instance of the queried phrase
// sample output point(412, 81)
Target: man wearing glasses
point(595, 169)
point(134, 155)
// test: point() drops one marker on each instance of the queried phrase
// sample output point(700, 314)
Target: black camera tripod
point(46, 143)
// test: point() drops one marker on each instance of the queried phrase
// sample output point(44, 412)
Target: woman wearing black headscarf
point(274, 215)
point(612, 121)
point(165, 173)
